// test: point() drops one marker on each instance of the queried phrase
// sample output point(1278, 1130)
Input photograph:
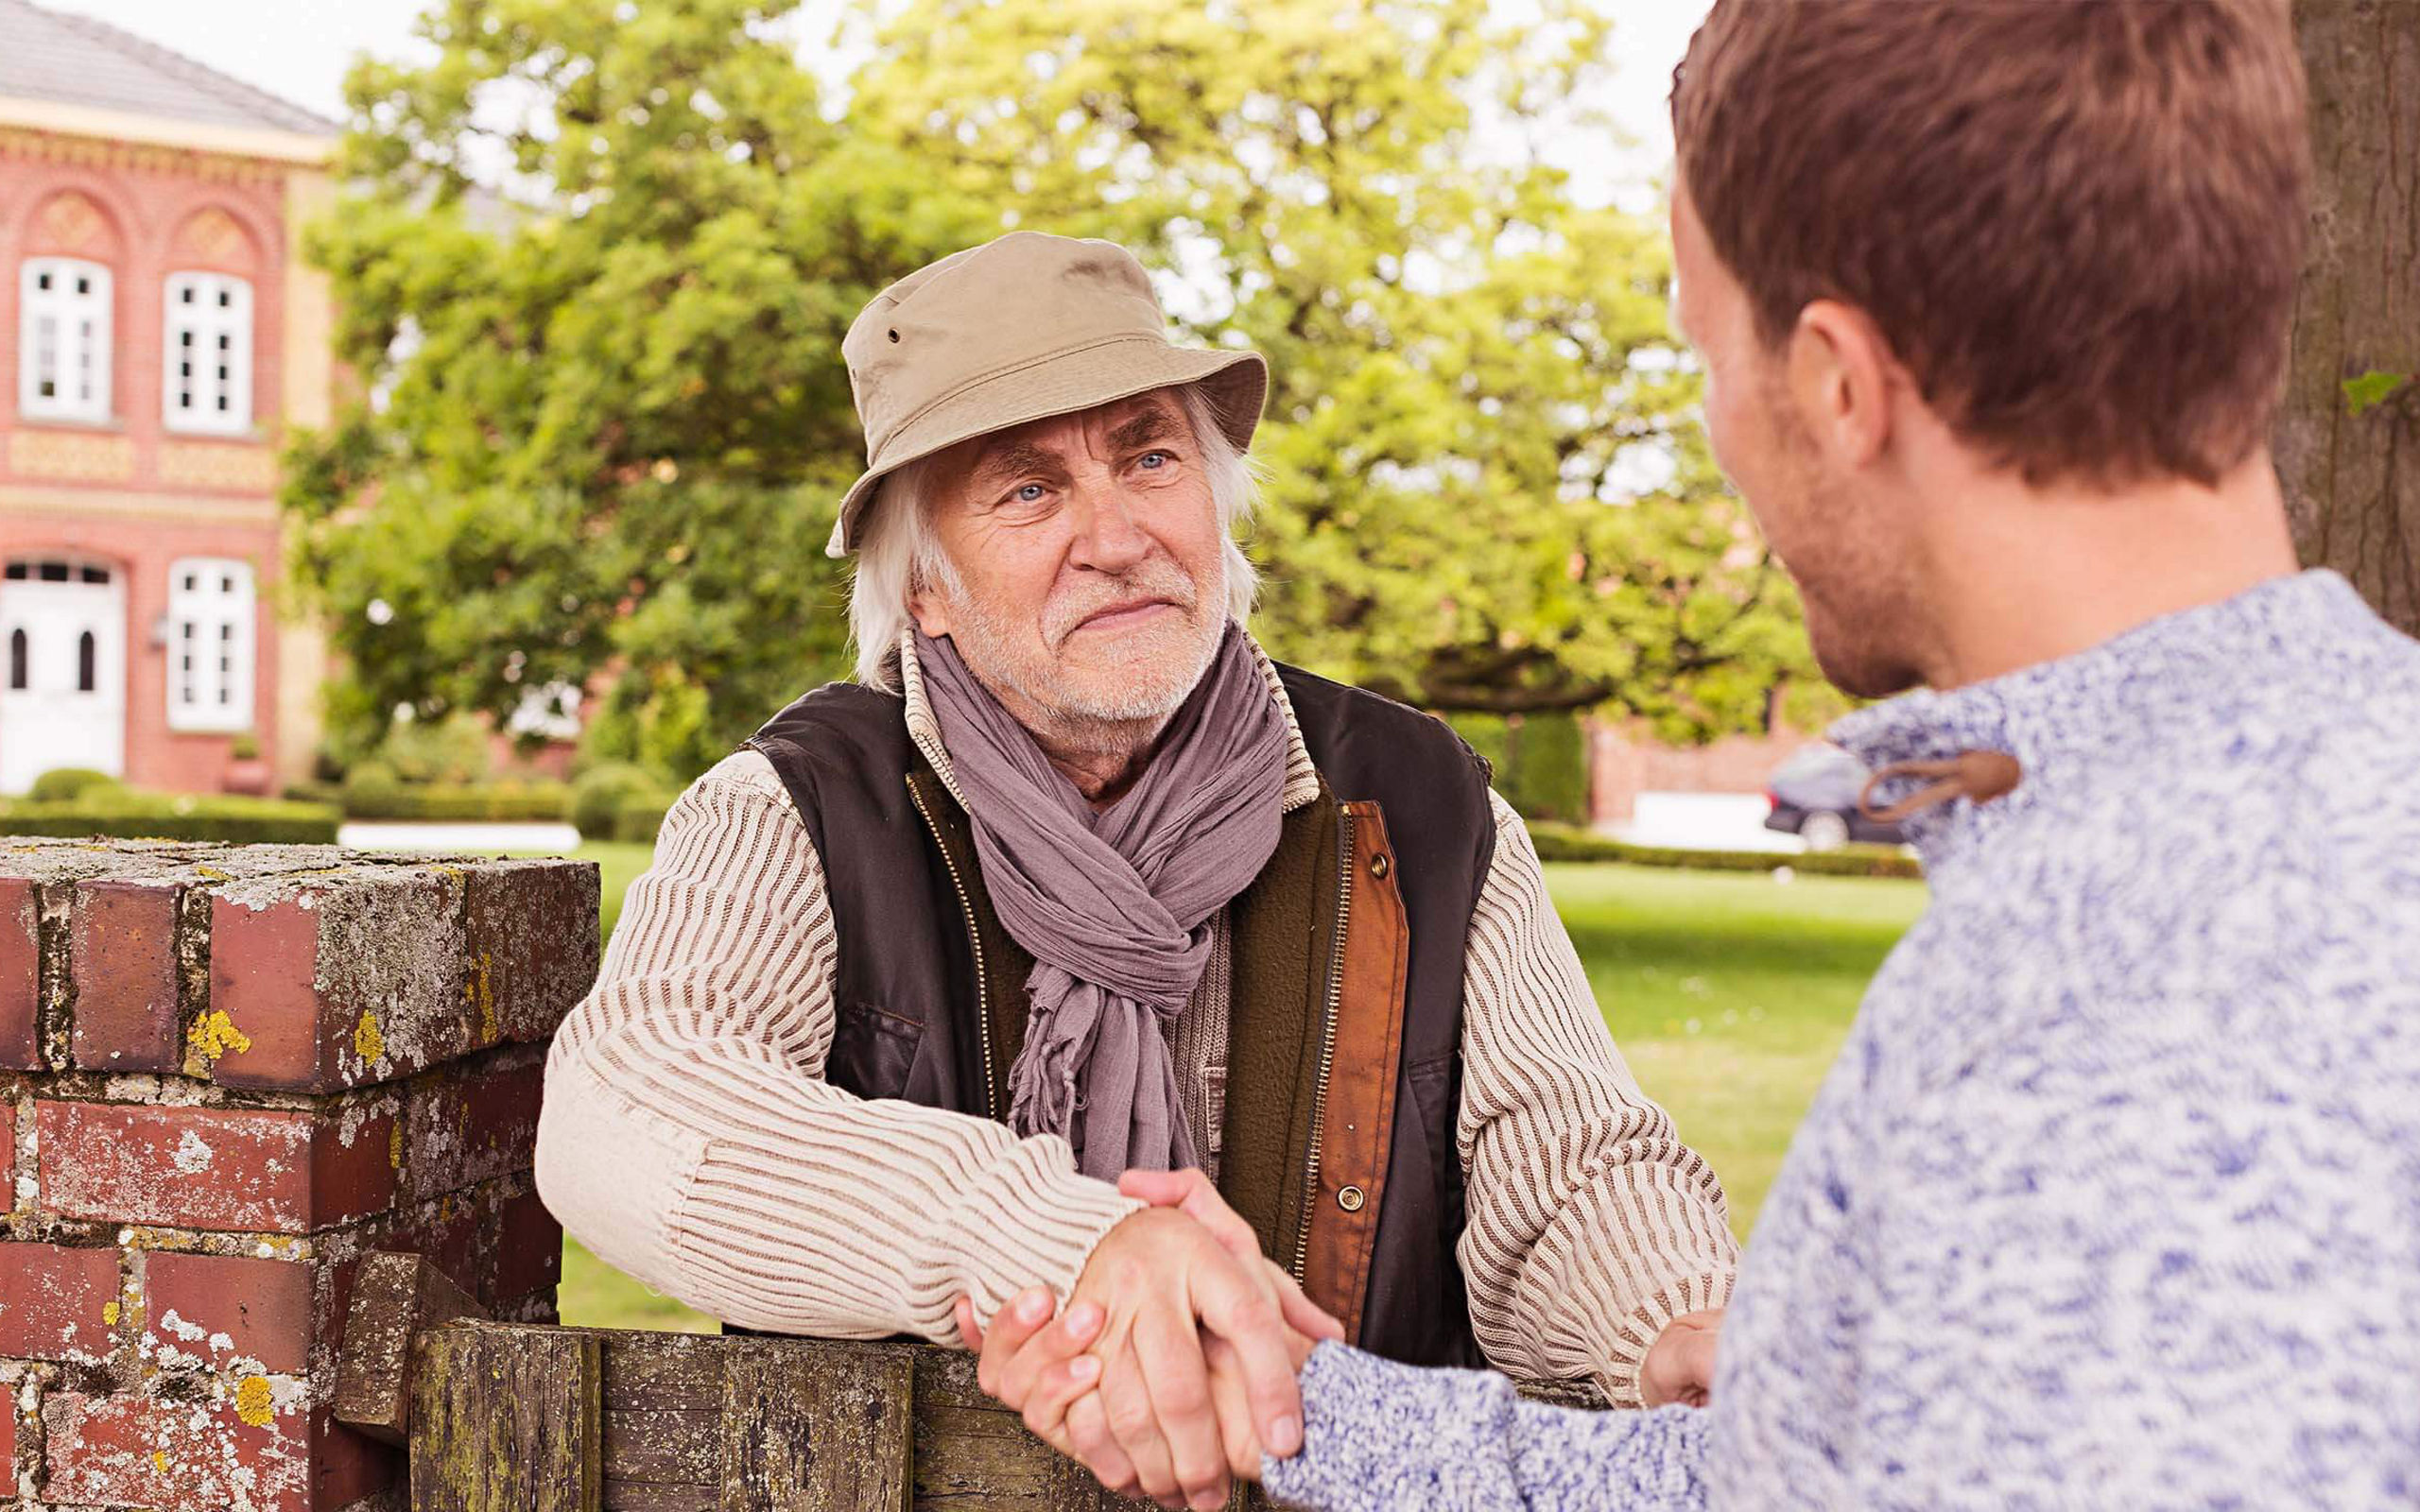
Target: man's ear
point(931, 614)
point(1841, 376)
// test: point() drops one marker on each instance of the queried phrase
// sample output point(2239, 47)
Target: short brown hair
point(2078, 222)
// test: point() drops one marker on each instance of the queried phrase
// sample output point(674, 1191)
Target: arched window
point(206, 355)
point(210, 644)
point(17, 660)
point(63, 339)
point(87, 664)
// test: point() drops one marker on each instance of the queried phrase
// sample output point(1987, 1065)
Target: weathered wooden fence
point(521, 1418)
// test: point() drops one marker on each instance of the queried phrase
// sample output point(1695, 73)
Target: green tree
point(1472, 375)
point(617, 441)
point(607, 420)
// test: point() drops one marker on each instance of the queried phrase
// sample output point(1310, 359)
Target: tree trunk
point(2352, 482)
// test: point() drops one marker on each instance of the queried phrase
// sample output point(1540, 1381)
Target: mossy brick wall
point(229, 1073)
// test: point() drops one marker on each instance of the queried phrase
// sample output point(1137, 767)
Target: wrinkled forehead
point(1119, 426)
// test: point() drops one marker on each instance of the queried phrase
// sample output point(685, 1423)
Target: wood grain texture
point(395, 1297)
point(700, 1423)
point(506, 1418)
point(826, 1430)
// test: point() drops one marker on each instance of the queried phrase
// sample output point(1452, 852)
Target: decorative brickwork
point(73, 456)
point(239, 466)
point(231, 1071)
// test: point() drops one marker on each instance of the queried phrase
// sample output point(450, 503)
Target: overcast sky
point(300, 49)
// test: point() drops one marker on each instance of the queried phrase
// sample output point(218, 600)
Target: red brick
point(20, 975)
point(262, 1306)
point(122, 953)
point(346, 1466)
point(339, 983)
point(176, 1456)
point(529, 1249)
point(9, 1439)
point(213, 1168)
point(533, 943)
point(54, 1302)
point(471, 1128)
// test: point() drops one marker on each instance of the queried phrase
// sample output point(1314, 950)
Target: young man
point(2113, 1198)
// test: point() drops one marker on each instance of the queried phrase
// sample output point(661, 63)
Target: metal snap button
point(1379, 865)
point(1351, 1198)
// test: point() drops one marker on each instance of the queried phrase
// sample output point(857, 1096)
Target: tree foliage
point(614, 421)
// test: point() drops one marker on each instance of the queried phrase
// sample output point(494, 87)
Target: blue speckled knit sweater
point(2112, 1198)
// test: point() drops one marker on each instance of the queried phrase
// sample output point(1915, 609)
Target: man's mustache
point(1166, 582)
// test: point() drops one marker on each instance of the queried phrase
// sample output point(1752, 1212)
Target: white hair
point(899, 553)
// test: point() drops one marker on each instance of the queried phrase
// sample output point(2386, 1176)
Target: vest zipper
point(975, 944)
point(1327, 1040)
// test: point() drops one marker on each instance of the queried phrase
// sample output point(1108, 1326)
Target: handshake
point(1172, 1369)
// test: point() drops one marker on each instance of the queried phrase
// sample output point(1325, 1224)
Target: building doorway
point(62, 668)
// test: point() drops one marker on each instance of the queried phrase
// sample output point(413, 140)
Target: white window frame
point(206, 355)
point(64, 337)
point(212, 606)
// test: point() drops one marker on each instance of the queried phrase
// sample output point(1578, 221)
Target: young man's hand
point(1680, 1364)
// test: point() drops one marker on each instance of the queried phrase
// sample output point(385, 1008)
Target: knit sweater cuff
point(1004, 1253)
point(1377, 1434)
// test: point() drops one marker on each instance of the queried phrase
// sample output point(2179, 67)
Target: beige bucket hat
point(1014, 331)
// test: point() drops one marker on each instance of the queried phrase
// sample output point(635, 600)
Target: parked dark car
point(1814, 797)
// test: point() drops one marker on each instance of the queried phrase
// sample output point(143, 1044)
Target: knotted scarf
point(1114, 904)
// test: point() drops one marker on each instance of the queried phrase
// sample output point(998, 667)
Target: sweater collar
point(2133, 697)
point(1302, 777)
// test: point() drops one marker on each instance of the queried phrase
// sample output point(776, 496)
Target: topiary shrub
point(605, 789)
point(639, 820)
point(1540, 761)
point(64, 784)
point(1549, 768)
point(371, 789)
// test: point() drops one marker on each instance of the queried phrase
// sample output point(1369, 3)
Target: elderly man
point(1074, 882)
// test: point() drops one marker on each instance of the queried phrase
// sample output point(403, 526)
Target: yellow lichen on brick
point(214, 874)
point(159, 1460)
point(109, 1313)
point(480, 989)
point(367, 1042)
point(213, 1035)
point(252, 1403)
point(395, 1146)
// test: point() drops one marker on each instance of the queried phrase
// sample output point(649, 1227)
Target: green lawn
point(1728, 992)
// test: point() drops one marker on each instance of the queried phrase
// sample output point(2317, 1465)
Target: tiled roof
point(77, 60)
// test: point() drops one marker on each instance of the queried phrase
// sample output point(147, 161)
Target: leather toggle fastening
point(1978, 775)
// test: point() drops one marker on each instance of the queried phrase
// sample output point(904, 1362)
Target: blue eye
point(1029, 494)
point(1150, 457)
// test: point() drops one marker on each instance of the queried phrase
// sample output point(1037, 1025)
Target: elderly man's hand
point(1042, 1369)
point(1177, 1407)
point(1680, 1364)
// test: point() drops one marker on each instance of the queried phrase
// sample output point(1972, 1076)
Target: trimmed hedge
point(638, 819)
point(1564, 842)
point(537, 802)
point(122, 814)
point(64, 784)
point(1541, 761)
point(605, 790)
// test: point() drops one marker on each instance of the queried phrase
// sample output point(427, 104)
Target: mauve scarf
point(1113, 905)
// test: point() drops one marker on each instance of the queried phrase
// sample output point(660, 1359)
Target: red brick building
point(158, 332)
